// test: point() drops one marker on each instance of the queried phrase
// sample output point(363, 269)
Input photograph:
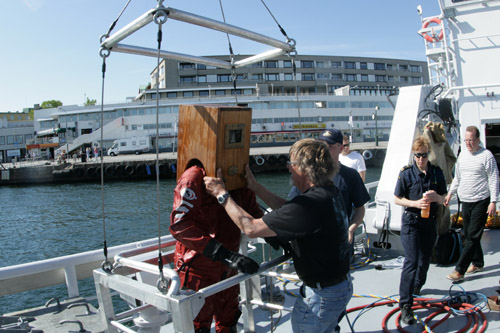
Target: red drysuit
point(196, 218)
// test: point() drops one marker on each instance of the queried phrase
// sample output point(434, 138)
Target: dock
point(143, 166)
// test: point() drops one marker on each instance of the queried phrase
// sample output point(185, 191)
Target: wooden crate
point(218, 136)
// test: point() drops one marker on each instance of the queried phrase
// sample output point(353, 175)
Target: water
point(46, 221)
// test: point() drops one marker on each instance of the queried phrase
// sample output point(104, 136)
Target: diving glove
point(215, 251)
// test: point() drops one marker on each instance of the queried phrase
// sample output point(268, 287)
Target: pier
point(123, 167)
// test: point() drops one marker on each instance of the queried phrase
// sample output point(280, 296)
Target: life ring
point(259, 160)
point(428, 37)
point(367, 154)
point(282, 160)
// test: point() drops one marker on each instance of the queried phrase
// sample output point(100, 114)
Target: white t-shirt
point(353, 160)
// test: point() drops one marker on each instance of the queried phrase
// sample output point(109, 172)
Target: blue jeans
point(320, 309)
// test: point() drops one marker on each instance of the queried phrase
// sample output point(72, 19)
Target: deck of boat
point(371, 285)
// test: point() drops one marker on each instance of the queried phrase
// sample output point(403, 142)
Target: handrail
point(21, 272)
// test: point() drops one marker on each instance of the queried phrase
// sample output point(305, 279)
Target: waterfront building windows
point(272, 77)
point(271, 64)
point(336, 64)
point(390, 78)
point(220, 92)
point(235, 91)
point(256, 65)
point(320, 64)
point(350, 77)
point(403, 79)
point(307, 77)
point(336, 77)
point(379, 66)
point(186, 65)
point(224, 78)
point(187, 79)
point(349, 65)
point(288, 77)
point(380, 78)
point(172, 94)
point(247, 91)
point(287, 63)
point(403, 68)
point(416, 80)
point(323, 76)
point(187, 94)
point(363, 65)
point(2, 140)
point(389, 67)
point(364, 77)
point(10, 139)
point(203, 93)
point(307, 64)
point(257, 77)
point(415, 69)
point(202, 79)
point(201, 66)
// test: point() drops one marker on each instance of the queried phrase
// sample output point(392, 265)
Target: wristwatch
point(222, 198)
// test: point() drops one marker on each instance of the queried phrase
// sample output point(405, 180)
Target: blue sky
point(50, 48)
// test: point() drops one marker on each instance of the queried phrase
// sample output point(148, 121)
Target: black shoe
point(417, 291)
point(407, 315)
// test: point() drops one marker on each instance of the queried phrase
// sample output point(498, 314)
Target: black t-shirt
point(316, 225)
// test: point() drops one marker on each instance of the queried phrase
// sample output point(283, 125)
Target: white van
point(130, 146)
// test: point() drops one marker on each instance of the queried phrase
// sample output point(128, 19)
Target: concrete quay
point(125, 167)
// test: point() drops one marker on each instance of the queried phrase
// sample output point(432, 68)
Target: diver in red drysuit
point(207, 246)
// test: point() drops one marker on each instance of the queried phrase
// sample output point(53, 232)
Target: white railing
point(62, 270)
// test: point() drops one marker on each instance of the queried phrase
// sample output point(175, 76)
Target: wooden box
point(218, 136)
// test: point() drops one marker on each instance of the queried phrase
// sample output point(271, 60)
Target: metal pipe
point(180, 15)
point(234, 280)
point(129, 29)
point(259, 57)
point(123, 48)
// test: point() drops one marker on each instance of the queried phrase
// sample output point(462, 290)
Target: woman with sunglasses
point(420, 186)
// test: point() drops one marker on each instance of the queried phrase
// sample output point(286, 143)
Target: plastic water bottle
point(424, 213)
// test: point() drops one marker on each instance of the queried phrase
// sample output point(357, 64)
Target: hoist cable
point(294, 67)
point(160, 18)
point(112, 26)
point(231, 53)
point(274, 18)
point(106, 265)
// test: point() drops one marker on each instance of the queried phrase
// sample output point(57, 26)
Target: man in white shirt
point(352, 159)
point(476, 184)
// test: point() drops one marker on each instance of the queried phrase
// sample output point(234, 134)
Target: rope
point(159, 18)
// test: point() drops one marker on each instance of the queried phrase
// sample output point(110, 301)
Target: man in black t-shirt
point(315, 224)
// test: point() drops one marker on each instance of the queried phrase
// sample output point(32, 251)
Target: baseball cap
point(332, 136)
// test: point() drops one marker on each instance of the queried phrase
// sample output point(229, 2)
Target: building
point(16, 130)
point(354, 94)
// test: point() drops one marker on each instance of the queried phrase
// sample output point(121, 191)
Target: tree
point(90, 102)
point(50, 104)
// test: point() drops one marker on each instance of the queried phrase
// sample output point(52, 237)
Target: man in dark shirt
point(314, 223)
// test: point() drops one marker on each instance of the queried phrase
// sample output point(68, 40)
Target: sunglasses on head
point(424, 155)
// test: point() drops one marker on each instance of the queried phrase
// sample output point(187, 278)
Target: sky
point(50, 48)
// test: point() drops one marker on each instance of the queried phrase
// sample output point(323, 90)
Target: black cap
point(332, 136)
